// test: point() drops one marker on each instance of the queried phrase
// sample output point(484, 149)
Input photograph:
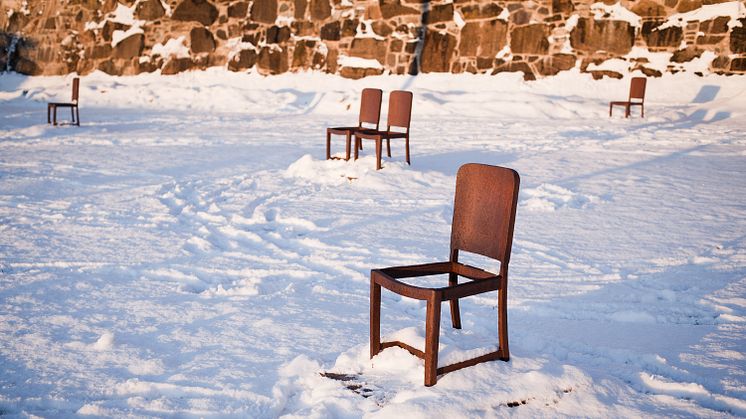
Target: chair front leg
point(328, 145)
point(77, 114)
point(502, 322)
point(358, 145)
point(54, 115)
point(432, 338)
point(388, 147)
point(347, 146)
point(375, 318)
point(378, 153)
point(49, 109)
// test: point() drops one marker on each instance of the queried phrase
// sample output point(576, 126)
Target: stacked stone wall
point(357, 38)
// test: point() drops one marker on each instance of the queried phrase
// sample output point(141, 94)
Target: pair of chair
point(483, 219)
point(73, 105)
point(398, 121)
point(636, 97)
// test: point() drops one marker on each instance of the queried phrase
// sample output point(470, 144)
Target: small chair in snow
point(636, 97)
point(370, 113)
point(483, 219)
point(73, 105)
point(400, 114)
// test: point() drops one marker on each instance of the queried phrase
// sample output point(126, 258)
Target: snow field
point(188, 252)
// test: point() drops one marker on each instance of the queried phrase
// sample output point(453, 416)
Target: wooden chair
point(370, 113)
point(636, 97)
point(73, 105)
point(400, 114)
point(483, 220)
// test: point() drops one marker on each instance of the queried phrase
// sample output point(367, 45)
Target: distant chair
point(636, 97)
point(400, 115)
point(370, 113)
point(483, 220)
point(73, 105)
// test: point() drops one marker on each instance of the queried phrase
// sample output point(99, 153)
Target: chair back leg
point(455, 312)
point(406, 145)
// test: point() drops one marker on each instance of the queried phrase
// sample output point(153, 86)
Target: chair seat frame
point(480, 281)
point(52, 109)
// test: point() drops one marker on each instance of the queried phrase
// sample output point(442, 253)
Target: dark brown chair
point(483, 220)
point(636, 97)
point(400, 114)
point(73, 105)
point(370, 113)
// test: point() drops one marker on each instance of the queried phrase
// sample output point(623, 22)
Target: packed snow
point(188, 251)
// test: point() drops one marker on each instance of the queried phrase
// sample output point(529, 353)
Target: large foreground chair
point(73, 105)
point(370, 113)
point(636, 97)
point(400, 115)
point(483, 220)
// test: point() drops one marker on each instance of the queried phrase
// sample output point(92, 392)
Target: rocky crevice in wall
point(357, 38)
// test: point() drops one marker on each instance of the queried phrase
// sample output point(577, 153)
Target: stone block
point(358, 73)
point(654, 37)
point(331, 31)
point(272, 60)
point(277, 34)
point(686, 55)
point(439, 13)
point(201, 40)
point(393, 8)
point(245, 59)
point(149, 10)
point(614, 36)
point(649, 9)
point(738, 38)
point(129, 47)
point(201, 11)
point(369, 48)
point(320, 9)
point(530, 39)
point(176, 65)
point(480, 11)
point(264, 11)
point(552, 65)
point(437, 52)
point(238, 10)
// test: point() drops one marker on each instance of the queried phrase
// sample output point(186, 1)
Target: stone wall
point(356, 38)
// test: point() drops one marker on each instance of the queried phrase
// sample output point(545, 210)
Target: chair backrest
point(400, 109)
point(370, 107)
point(637, 88)
point(76, 90)
point(484, 211)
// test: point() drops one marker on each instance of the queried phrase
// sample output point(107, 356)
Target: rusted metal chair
point(73, 105)
point(636, 97)
point(370, 113)
point(483, 219)
point(400, 115)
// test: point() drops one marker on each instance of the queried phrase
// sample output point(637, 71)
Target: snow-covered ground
point(188, 251)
